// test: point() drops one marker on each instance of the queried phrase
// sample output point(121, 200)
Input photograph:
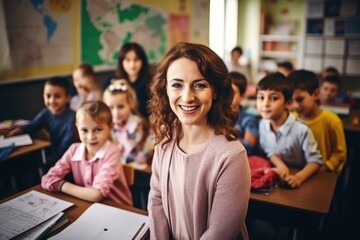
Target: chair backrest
point(129, 174)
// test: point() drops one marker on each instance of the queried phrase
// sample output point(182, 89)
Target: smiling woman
point(196, 146)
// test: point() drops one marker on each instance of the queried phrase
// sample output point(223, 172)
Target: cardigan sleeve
point(159, 228)
point(230, 200)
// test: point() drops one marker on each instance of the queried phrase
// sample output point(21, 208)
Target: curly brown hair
point(221, 117)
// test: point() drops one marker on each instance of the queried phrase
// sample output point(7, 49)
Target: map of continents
point(39, 32)
point(107, 25)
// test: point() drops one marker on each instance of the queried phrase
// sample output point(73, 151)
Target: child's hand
point(282, 171)
point(13, 132)
point(324, 168)
point(293, 181)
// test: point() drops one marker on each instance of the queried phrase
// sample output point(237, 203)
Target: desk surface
point(314, 195)
point(37, 145)
point(79, 206)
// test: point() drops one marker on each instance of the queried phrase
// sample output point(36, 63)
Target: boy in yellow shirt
point(326, 126)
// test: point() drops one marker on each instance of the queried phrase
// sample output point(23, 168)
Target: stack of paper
point(17, 141)
point(104, 222)
point(27, 211)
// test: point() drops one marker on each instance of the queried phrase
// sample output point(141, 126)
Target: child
point(86, 86)
point(285, 67)
point(246, 125)
point(235, 64)
point(57, 119)
point(94, 162)
point(131, 130)
point(329, 90)
point(326, 126)
point(286, 141)
point(133, 66)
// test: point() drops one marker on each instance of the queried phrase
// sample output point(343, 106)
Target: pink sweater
point(216, 191)
point(103, 172)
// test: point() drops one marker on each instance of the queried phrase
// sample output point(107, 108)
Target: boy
point(285, 67)
point(329, 89)
point(246, 125)
point(326, 126)
point(286, 141)
point(57, 118)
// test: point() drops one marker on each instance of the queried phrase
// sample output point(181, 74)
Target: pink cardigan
point(217, 198)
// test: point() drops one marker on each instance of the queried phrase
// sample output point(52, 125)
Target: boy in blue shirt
point(247, 126)
point(57, 119)
point(286, 141)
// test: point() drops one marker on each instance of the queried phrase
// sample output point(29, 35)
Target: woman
point(200, 184)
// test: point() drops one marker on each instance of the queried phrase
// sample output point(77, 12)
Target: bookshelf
point(281, 25)
point(333, 36)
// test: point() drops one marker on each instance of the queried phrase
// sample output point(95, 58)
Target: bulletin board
point(42, 38)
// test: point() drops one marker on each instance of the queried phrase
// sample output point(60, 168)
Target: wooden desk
point(38, 145)
point(79, 206)
point(305, 207)
point(23, 162)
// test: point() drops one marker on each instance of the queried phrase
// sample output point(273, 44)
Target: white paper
point(104, 222)
point(35, 232)
point(27, 211)
point(20, 140)
point(329, 29)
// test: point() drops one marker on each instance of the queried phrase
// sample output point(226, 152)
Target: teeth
point(188, 108)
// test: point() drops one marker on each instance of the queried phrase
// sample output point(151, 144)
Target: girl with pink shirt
point(131, 129)
point(94, 162)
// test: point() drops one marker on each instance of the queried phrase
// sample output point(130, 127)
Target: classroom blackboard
point(41, 38)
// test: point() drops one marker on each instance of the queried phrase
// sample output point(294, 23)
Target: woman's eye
point(200, 85)
point(176, 85)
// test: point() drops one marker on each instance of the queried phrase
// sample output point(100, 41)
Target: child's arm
point(86, 193)
point(13, 132)
point(280, 167)
point(338, 147)
point(304, 174)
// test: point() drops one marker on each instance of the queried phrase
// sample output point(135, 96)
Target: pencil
point(138, 231)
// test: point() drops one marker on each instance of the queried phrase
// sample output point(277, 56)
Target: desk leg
point(43, 158)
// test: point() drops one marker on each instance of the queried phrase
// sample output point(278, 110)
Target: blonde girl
point(131, 130)
point(94, 162)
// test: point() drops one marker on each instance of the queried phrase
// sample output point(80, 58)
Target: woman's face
point(190, 94)
point(132, 65)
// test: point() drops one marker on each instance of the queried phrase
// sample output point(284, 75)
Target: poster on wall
point(41, 37)
point(106, 26)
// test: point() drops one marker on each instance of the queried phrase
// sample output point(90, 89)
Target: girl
point(94, 162)
point(130, 131)
point(199, 168)
point(86, 86)
point(133, 67)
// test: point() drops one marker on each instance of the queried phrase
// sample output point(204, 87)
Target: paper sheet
point(27, 211)
point(35, 232)
point(20, 140)
point(104, 222)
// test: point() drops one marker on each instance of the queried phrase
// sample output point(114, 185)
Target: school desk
point(78, 208)
point(21, 162)
point(304, 207)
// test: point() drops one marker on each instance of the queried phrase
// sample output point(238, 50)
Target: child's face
point(132, 64)
point(94, 135)
point(81, 83)
point(120, 107)
point(271, 104)
point(190, 94)
point(237, 97)
point(55, 98)
point(304, 102)
point(328, 92)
